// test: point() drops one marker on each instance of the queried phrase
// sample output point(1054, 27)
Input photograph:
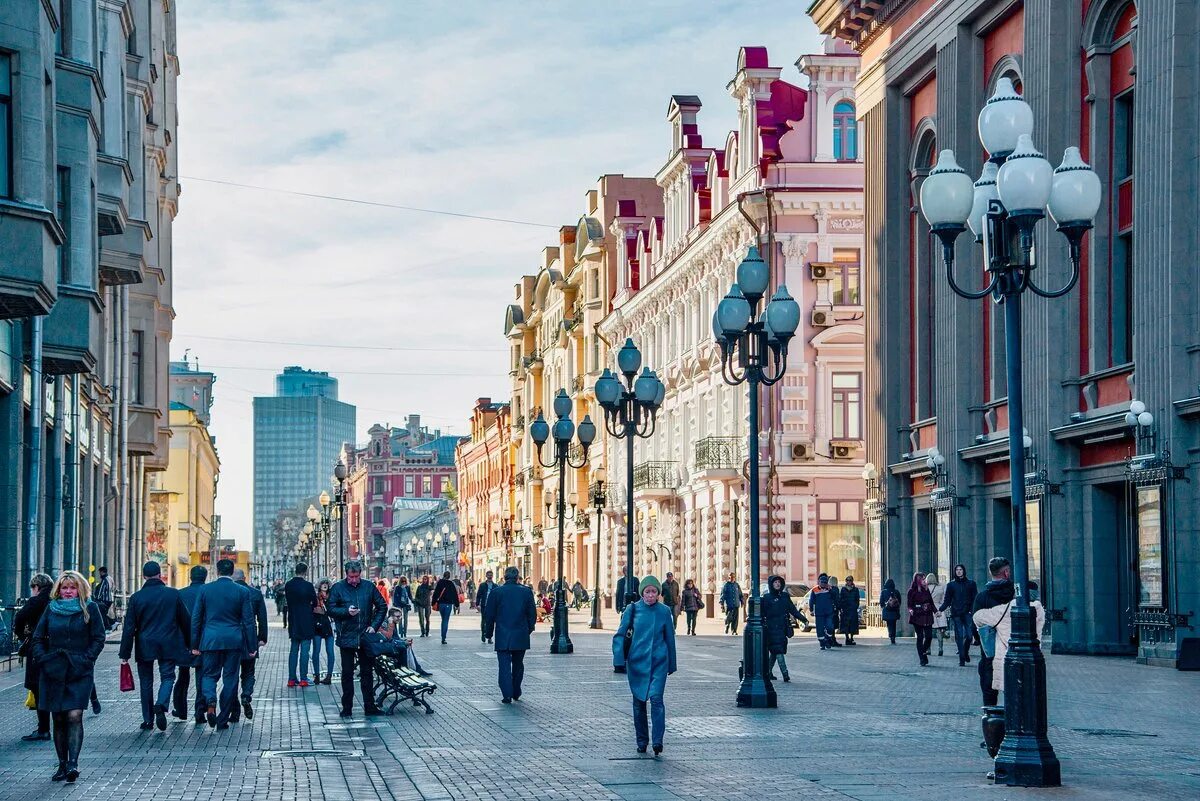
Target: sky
point(507, 110)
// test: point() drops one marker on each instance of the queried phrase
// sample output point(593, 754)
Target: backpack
point(987, 635)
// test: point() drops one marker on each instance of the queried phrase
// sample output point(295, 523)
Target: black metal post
point(631, 593)
point(598, 505)
point(560, 640)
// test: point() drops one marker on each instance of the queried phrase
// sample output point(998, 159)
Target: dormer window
point(845, 132)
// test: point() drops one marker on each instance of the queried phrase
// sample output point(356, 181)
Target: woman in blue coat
point(647, 657)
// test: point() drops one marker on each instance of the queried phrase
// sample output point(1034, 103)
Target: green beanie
point(649, 581)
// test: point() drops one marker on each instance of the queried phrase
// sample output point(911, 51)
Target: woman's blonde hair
point(85, 589)
point(932, 578)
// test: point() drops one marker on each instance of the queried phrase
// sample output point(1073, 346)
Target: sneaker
point(292, 682)
point(303, 682)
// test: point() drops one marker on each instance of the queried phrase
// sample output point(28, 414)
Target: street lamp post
point(1017, 188)
point(599, 501)
point(563, 432)
point(758, 345)
point(339, 501)
point(630, 411)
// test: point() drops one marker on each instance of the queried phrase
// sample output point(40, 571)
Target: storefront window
point(942, 541)
point(1033, 537)
point(1149, 545)
point(875, 549)
point(842, 535)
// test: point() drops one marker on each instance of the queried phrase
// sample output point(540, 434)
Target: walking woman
point(445, 598)
point(848, 605)
point(692, 604)
point(920, 614)
point(644, 649)
point(24, 624)
point(889, 606)
point(937, 591)
point(777, 613)
point(66, 643)
point(402, 599)
point(323, 627)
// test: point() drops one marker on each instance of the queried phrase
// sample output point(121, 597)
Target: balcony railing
point(575, 452)
point(656, 475)
point(719, 453)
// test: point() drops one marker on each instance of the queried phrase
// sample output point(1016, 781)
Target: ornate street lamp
point(339, 503)
point(563, 432)
point(599, 501)
point(758, 345)
point(630, 410)
point(1017, 188)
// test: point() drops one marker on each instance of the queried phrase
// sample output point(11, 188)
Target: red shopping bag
point(126, 678)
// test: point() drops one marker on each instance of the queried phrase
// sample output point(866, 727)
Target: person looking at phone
point(357, 608)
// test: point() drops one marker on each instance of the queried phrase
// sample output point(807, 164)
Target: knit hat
point(649, 581)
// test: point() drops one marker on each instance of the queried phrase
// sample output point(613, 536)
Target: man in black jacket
point(223, 630)
point(157, 619)
point(445, 598)
point(259, 605)
point(357, 608)
point(996, 592)
point(422, 598)
point(190, 665)
point(960, 600)
point(481, 599)
point(301, 597)
point(510, 615)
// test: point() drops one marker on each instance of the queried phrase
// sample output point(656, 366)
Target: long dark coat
point(66, 648)
point(301, 598)
point(920, 606)
point(510, 616)
point(848, 606)
point(777, 611)
point(24, 625)
point(158, 622)
point(889, 592)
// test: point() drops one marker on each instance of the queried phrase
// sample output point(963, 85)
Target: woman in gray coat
point(66, 643)
point(647, 657)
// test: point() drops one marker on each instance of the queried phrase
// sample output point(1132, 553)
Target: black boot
point(60, 748)
point(74, 744)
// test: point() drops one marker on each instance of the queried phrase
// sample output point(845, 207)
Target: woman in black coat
point(692, 603)
point(920, 614)
point(889, 607)
point(848, 603)
point(24, 624)
point(66, 643)
point(778, 611)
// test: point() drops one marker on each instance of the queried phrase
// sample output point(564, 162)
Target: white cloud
point(507, 110)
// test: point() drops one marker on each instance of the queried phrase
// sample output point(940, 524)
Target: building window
point(62, 210)
point(847, 406)
point(408, 486)
point(1120, 287)
point(445, 484)
point(377, 516)
point(845, 132)
point(136, 356)
point(426, 486)
point(6, 122)
point(921, 288)
point(846, 277)
point(842, 542)
point(380, 485)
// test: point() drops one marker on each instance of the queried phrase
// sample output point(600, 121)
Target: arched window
point(845, 132)
point(921, 294)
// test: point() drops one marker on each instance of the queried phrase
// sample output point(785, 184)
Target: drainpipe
point(33, 472)
point(55, 507)
point(124, 539)
point(71, 476)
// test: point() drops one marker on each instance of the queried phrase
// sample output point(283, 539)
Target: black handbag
point(628, 642)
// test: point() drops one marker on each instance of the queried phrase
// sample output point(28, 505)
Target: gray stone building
point(1113, 507)
point(88, 193)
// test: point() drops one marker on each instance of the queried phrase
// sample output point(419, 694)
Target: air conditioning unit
point(843, 451)
point(818, 270)
point(822, 318)
point(801, 451)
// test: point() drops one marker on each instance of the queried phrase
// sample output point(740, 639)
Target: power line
point(361, 202)
point(339, 347)
point(361, 372)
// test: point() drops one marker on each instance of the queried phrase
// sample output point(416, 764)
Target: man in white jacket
point(1000, 618)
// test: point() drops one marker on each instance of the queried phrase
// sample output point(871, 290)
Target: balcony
point(519, 423)
point(656, 479)
point(28, 285)
point(533, 361)
point(719, 457)
point(72, 338)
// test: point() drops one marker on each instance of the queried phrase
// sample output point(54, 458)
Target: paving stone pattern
point(855, 723)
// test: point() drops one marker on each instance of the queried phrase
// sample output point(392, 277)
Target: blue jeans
point(825, 629)
point(298, 659)
point(658, 721)
point(446, 610)
point(166, 679)
point(963, 633)
point(512, 671)
point(403, 622)
point(316, 654)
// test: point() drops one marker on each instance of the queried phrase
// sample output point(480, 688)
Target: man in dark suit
point(510, 617)
point(301, 625)
point(259, 604)
point(223, 630)
point(481, 599)
point(157, 619)
point(191, 665)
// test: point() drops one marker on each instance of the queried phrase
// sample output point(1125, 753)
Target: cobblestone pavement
point(854, 723)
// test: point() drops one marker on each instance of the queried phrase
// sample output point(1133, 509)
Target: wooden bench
point(397, 683)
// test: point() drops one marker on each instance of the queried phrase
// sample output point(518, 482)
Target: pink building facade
point(792, 171)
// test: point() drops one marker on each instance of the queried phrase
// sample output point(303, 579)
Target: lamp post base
point(1026, 758)
point(596, 624)
point(560, 641)
point(756, 690)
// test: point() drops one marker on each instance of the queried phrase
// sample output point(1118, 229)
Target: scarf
point(65, 606)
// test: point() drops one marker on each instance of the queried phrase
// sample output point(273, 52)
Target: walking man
point(190, 665)
point(510, 618)
point(821, 603)
point(482, 593)
point(731, 604)
point(259, 605)
point(103, 596)
point(960, 600)
point(158, 621)
point(357, 608)
point(223, 630)
point(301, 626)
point(622, 595)
point(424, 602)
point(671, 597)
point(445, 598)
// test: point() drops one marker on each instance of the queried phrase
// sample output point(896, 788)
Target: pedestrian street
point(861, 722)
